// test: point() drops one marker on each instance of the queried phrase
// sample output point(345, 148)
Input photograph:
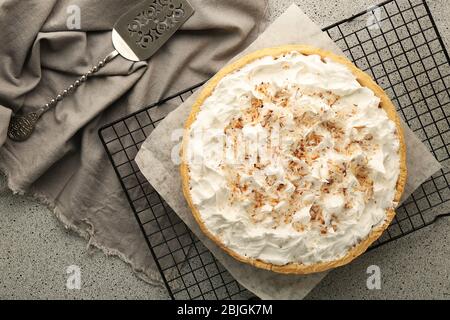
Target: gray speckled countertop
point(35, 249)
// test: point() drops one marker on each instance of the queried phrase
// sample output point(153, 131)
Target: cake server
point(136, 36)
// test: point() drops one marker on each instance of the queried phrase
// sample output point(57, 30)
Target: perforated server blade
point(140, 32)
point(136, 36)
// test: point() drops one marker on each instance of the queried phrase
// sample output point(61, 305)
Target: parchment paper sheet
point(154, 160)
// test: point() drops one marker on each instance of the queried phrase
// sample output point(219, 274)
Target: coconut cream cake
point(293, 160)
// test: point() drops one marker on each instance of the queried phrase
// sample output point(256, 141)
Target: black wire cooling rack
point(398, 44)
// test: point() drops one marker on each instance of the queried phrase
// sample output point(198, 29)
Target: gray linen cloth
point(63, 164)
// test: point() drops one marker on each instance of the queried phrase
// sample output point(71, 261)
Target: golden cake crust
point(366, 81)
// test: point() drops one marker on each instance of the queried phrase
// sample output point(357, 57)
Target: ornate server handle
point(22, 126)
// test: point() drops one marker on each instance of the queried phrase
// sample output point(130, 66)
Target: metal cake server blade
point(136, 36)
point(140, 32)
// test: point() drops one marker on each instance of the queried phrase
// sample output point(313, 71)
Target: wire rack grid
point(398, 44)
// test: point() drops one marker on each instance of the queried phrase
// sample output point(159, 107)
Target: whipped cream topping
point(291, 160)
